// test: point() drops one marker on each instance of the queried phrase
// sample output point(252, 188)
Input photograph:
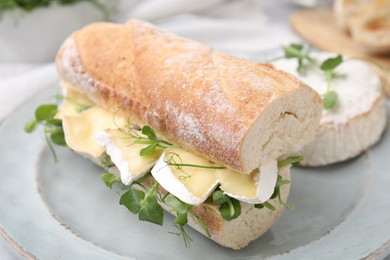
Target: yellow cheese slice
point(125, 154)
point(81, 129)
point(198, 181)
point(73, 103)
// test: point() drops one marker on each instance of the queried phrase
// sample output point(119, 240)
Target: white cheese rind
point(163, 174)
point(116, 156)
point(265, 181)
point(253, 188)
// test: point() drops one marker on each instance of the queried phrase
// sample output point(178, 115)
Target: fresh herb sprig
point(230, 208)
point(279, 183)
point(328, 66)
point(182, 210)
point(148, 137)
point(54, 133)
point(144, 202)
point(293, 160)
point(299, 52)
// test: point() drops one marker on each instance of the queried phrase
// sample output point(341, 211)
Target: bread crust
point(187, 92)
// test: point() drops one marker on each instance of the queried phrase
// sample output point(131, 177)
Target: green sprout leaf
point(328, 66)
point(149, 132)
point(132, 200)
point(219, 197)
point(293, 160)
point(58, 138)
point(299, 52)
point(330, 99)
point(106, 161)
point(179, 206)
point(231, 209)
point(151, 211)
point(109, 179)
point(331, 63)
point(266, 205)
point(148, 149)
point(144, 204)
point(31, 126)
point(45, 112)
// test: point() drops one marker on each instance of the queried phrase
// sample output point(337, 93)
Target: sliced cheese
point(190, 184)
point(257, 187)
point(193, 185)
point(125, 154)
point(73, 103)
point(95, 131)
point(81, 129)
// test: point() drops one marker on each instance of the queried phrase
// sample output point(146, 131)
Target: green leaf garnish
point(330, 99)
point(331, 63)
point(182, 210)
point(54, 133)
point(143, 204)
point(58, 138)
point(219, 197)
point(149, 137)
point(106, 161)
point(151, 211)
point(230, 208)
point(45, 112)
point(279, 183)
point(293, 160)
point(328, 66)
point(132, 200)
point(109, 179)
point(148, 149)
point(299, 52)
point(149, 132)
point(31, 126)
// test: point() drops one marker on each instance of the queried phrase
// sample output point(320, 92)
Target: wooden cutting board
point(318, 27)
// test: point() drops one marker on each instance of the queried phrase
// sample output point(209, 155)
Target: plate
point(63, 210)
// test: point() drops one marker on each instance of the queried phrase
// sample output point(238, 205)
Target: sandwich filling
point(95, 132)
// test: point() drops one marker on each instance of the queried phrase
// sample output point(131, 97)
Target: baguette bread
point(357, 120)
point(223, 109)
point(235, 112)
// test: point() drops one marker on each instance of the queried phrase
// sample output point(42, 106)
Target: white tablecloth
point(246, 28)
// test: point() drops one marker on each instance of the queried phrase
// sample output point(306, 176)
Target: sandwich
point(354, 115)
point(181, 126)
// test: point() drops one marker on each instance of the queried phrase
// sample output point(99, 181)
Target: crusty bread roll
point(235, 112)
point(357, 120)
point(368, 22)
point(231, 111)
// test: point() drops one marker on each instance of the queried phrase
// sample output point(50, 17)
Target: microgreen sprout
point(145, 202)
point(54, 133)
point(328, 66)
point(299, 52)
point(293, 160)
point(182, 210)
point(230, 208)
point(149, 137)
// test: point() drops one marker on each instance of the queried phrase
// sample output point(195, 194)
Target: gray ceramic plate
point(63, 210)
